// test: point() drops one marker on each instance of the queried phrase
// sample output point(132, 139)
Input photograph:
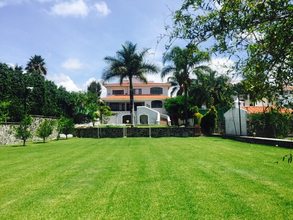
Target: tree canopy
point(258, 34)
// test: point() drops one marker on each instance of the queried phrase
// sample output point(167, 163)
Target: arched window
point(143, 119)
point(156, 91)
point(126, 119)
point(157, 104)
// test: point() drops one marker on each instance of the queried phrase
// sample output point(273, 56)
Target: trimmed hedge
point(136, 132)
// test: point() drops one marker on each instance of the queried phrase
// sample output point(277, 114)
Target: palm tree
point(128, 64)
point(181, 64)
point(36, 64)
point(210, 89)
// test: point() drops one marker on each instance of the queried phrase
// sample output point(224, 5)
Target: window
point(157, 104)
point(118, 92)
point(137, 91)
point(117, 106)
point(156, 91)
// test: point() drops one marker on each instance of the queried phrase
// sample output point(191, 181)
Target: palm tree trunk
point(131, 102)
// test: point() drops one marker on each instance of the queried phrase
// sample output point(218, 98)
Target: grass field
point(145, 178)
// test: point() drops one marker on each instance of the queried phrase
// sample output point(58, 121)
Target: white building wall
point(153, 115)
point(232, 125)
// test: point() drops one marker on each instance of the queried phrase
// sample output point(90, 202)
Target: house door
point(143, 119)
point(126, 119)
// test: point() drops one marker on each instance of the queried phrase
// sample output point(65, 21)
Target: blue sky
point(73, 36)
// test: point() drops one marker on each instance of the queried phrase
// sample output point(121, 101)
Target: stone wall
point(7, 131)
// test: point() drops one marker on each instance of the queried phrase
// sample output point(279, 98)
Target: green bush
point(208, 121)
point(45, 129)
point(271, 124)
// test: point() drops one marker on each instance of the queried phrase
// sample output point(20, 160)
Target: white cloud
point(155, 57)
point(72, 64)
point(77, 8)
point(102, 8)
point(65, 81)
point(223, 65)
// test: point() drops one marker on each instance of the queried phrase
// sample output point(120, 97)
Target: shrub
point(22, 131)
point(45, 129)
point(208, 121)
point(65, 126)
point(271, 124)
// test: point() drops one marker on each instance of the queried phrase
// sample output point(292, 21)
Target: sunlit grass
point(145, 178)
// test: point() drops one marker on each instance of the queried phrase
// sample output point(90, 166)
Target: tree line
point(28, 92)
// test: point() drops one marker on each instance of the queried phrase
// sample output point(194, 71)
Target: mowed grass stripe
point(144, 178)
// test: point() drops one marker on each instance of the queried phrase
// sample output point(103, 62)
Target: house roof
point(262, 109)
point(135, 84)
point(136, 97)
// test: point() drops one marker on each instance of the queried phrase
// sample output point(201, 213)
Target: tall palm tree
point(128, 64)
point(181, 63)
point(36, 64)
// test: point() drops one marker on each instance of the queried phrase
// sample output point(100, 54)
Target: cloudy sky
point(73, 36)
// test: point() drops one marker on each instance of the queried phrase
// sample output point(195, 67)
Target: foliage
point(94, 90)
point(65, 126)
point(45, 98)
point(129, 64)
point(181, 63)
point(255, 33)
point(211, 90)
point(36, 65)
point(209, 121)
point(23, 131)
point(103, 113)
point(4, 111)
point(175, 108)
point(271, 124)
point(45, 129)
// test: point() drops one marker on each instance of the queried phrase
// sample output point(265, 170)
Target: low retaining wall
point(7, 131)
point(261, 140)
point(136, 132)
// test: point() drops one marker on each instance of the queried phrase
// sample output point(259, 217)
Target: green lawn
point(145, 178)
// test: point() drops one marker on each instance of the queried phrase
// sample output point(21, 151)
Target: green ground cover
point(145, 178)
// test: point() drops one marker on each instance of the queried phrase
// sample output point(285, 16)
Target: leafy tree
point(175, 108)
point(37, 65)
point(256, 33)
point(104, 111)
point(4, 111)
point(45, 129)
point(65, 126)
point(129, 64)
point(23, 131)
point(12, 88)
point(182, 63)
point(209, 121)
point(94, 90)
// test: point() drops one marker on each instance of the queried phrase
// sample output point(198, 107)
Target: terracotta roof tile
point(262, 109)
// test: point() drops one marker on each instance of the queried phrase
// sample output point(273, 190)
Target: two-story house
point(148, 102)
